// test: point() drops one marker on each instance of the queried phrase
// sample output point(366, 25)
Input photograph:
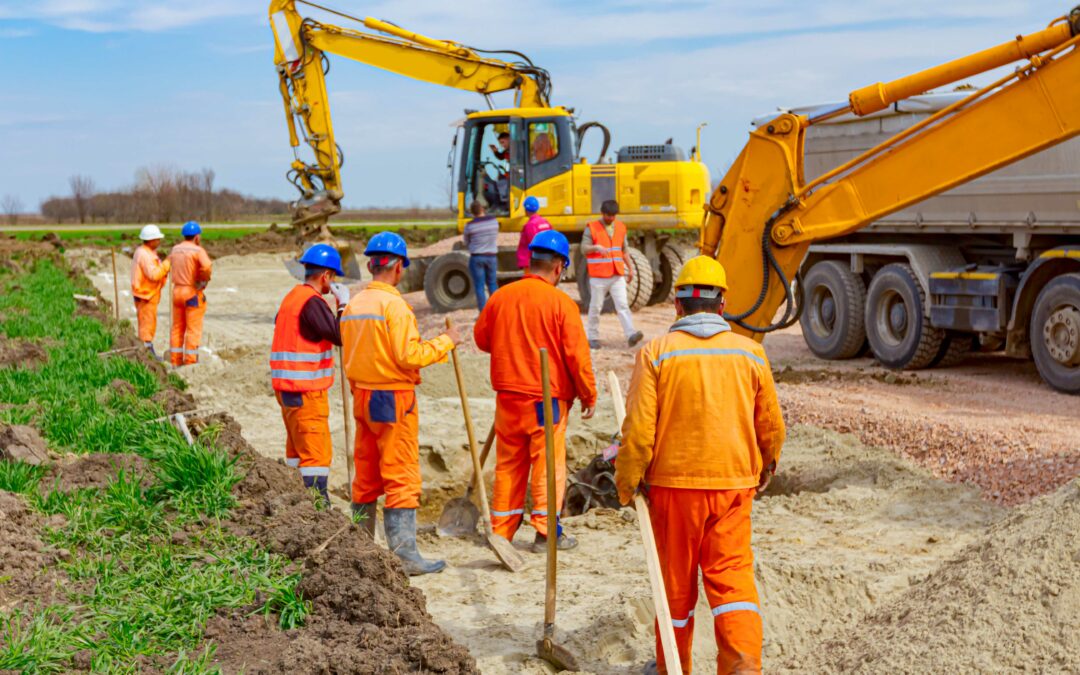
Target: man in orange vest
point(702, 436)
point(148, 276)
point(383, 358)
point(609, 268)
point(190, 274)
point(517, 321)
point(302, 364)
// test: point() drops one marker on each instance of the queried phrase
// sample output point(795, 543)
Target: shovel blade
point(506, 553)
point(556, 655)
point(459, 518)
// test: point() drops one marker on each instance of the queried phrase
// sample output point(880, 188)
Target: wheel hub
point(898, 318)
point(456, 284)
point(828, 312)
point(1061, 333)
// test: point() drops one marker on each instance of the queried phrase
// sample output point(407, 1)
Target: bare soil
point(21, 353)
point(27, 573)
point(22, 443)
point(96, 470)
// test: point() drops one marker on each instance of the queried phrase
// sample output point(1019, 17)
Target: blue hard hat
point(388, 242)
point(552, 241)
point(323, 255)
point(532, 204)
point(190, 229)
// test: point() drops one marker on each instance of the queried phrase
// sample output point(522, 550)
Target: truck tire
point(447, 283)
point(671, 262)
point(898, 329)
point(834, 307)
point(636, 295)
point(1055, 333)
point(954, 349)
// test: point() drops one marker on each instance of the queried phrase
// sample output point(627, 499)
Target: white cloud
point(104, 16)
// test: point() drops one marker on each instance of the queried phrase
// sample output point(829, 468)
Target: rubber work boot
point(365, 515)
point(635, 338)
point(594, 344)
point(651, 668)
point(400, 527)
point(564, 543)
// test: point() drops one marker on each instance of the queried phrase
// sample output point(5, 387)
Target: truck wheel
point(954, 349)
point(898, 329)
point(447, 283)
point(1055, 333)
point(639, 290)
point(671, 262)
point(834, 300)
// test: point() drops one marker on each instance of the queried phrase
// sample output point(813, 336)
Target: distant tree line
point(161, 194)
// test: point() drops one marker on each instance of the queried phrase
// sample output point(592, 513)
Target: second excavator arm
point(301, 46)
point(763, 216)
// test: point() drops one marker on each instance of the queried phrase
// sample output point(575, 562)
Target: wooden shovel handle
point(552, 506)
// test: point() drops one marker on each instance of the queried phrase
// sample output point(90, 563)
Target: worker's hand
point(493, 148)
point(341, 293)
point(629, 274)
point(587, 411)
point(167, 264)
point(453, 334)
point(766, 477)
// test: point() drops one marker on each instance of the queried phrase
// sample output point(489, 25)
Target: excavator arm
point(762, 218)
point(301, 46)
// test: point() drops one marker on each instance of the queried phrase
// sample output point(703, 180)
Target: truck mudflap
point(973, 298)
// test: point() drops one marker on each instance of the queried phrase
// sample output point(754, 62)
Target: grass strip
point(149, 561)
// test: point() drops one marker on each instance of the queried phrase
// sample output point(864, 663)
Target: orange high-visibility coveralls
point(301, 372)
point(517, 321)
point(383, 356)
point(190, 272)
point(148, 274)
point(703, 423)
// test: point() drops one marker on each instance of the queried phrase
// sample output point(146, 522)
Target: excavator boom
point(763, 216)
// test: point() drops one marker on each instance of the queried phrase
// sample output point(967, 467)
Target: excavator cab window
point(550, 149)
point(486, 169)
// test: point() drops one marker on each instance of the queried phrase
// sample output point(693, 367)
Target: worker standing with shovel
point(702, 436)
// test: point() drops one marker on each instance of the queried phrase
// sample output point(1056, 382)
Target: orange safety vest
point(297, 364)
point(608, 262)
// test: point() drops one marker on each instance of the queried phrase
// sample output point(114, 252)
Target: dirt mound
point(173, 401)
point(15, 255)
point(1009, 602)
point(273, 240)
point(93, 471)
point(23, 444)
point(21, 353)
point(365, 617)
point(26, 558)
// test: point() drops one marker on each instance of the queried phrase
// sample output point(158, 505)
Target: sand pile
point(1009, 602)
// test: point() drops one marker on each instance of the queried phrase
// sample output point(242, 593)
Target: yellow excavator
point(500, 156)
point(912, 299)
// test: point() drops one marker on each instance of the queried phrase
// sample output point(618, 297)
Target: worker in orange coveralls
point(518, 320)
point(148, 276)
point(190, 273)
point(383, 358)
point(702, 436)
point(302, 364)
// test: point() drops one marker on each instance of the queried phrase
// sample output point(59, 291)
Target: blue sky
point(101, 87)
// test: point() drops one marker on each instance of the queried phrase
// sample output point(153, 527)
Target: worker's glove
point(167, 264)
point(341, 293)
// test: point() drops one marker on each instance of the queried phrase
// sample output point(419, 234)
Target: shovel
point(504, 550)
point(346, 409)
point(460, 516)
point(546, 648)
point(652, 560)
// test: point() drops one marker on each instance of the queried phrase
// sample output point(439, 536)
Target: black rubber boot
point(651, 668)
point(365, 515)
point(400, 527)
point(564, 543)
point(318, 483)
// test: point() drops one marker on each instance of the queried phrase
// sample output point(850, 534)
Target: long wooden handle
point(488, 443)
point(481, 489)
point(346, 413)
point(552, 506)
point(652, 560)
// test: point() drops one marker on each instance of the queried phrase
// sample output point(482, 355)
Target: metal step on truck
point(990, 265)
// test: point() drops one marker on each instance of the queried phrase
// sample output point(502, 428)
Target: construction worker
point(383, 358)
point(148, 276)
point(702, 436)
point(302, 364)
point(190, 274)
point(609, 268)
point(533, 226)
point(481, 237)
point(518, 320)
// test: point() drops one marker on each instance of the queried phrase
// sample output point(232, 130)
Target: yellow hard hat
point(702, 271)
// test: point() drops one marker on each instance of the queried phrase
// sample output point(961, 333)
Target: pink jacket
point(535, 224)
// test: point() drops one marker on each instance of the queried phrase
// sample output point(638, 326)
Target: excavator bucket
point(350, 265)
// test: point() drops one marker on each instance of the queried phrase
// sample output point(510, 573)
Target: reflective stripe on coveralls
point(191, 269)
point(296, 363)
point(387, 448)
point(308, 444)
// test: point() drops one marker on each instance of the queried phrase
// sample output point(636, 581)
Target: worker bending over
point(702, 436)
point(383, 358)
point(519, 320)
point(609, 268)
point(302, 364)
point(148, 276)
point(190, 273)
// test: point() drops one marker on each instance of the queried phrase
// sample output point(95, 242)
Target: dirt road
point(854, 521)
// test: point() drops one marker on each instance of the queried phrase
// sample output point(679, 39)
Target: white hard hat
point(150, 233)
